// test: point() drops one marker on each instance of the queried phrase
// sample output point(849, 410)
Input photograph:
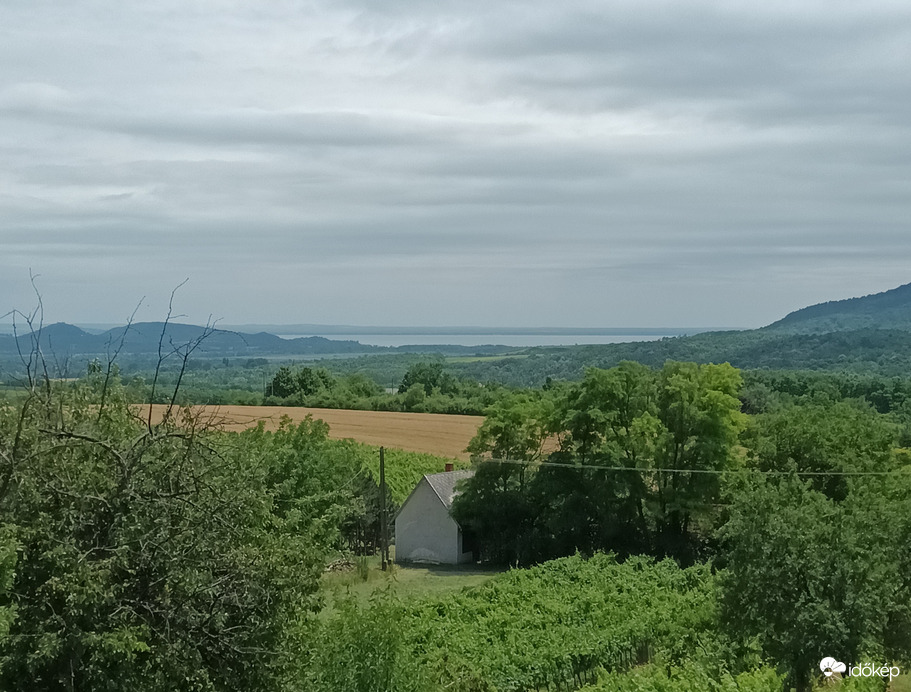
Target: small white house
point(424, 529)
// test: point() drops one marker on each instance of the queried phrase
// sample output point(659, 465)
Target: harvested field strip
point(431, 433)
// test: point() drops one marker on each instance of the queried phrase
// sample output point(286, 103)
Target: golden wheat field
point(432, 433)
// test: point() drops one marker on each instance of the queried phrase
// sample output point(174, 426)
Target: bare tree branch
point(113, 357)
point(161, 356)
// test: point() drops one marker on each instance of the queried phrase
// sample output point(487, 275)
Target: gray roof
point(444, 484)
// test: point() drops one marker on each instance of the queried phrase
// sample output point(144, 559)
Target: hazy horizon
point(348, 331)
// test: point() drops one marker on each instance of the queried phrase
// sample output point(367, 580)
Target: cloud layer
point(581, 163)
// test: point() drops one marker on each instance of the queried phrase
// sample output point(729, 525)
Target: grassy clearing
point(405, 582)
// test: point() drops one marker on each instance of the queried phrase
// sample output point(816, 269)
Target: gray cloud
point(510, 163)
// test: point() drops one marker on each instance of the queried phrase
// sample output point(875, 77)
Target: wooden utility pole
point(384, 534)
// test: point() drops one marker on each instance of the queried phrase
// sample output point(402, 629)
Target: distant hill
point(888, 310)
point(142, 339)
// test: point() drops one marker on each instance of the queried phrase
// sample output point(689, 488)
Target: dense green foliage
point(306, 381)
point(558, 622)
point(170, 556)
point(363, 650)
point(807, 574)
point(818, 563)
point(403, 469)
point(333, 384)
point(820, 438)
point(883, 352)
point(690, 676)
point(154, 557)
point(766, 389)
point(8, 550)
point(425, 388)
point(351, 467)
point(684, 418)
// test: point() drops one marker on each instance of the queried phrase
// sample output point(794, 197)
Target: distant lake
point(486, 339)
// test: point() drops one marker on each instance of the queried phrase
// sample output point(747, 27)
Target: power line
point(350, 480)
point(714, 472)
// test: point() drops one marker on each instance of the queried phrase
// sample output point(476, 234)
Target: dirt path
point(432, 433)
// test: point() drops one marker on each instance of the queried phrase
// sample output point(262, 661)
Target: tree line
point(425, 387)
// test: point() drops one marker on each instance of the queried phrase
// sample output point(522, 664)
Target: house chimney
point(448, 466)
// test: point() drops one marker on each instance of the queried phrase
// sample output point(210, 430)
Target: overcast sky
point(383, 162)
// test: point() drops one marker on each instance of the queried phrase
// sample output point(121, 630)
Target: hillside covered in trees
point(871, 334)
point(887, 310)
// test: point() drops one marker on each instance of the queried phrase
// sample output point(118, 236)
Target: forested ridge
point(871, 334)
point(882, 351)
point(887, 310)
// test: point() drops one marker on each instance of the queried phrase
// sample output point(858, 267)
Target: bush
point(152, 557)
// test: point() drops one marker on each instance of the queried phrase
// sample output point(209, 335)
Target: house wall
point(424, 531)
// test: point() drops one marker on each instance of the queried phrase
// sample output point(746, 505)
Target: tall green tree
point(633, 459)
point(820, 438)
point(430, 375)
point(496, 506)
point(675, 429)
point(284, 383)
point(608, 419)
point(495, 503)
point(700, 423)
point(8, 550)
point(808, 577)
point(516, 427)
point(311, 380)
